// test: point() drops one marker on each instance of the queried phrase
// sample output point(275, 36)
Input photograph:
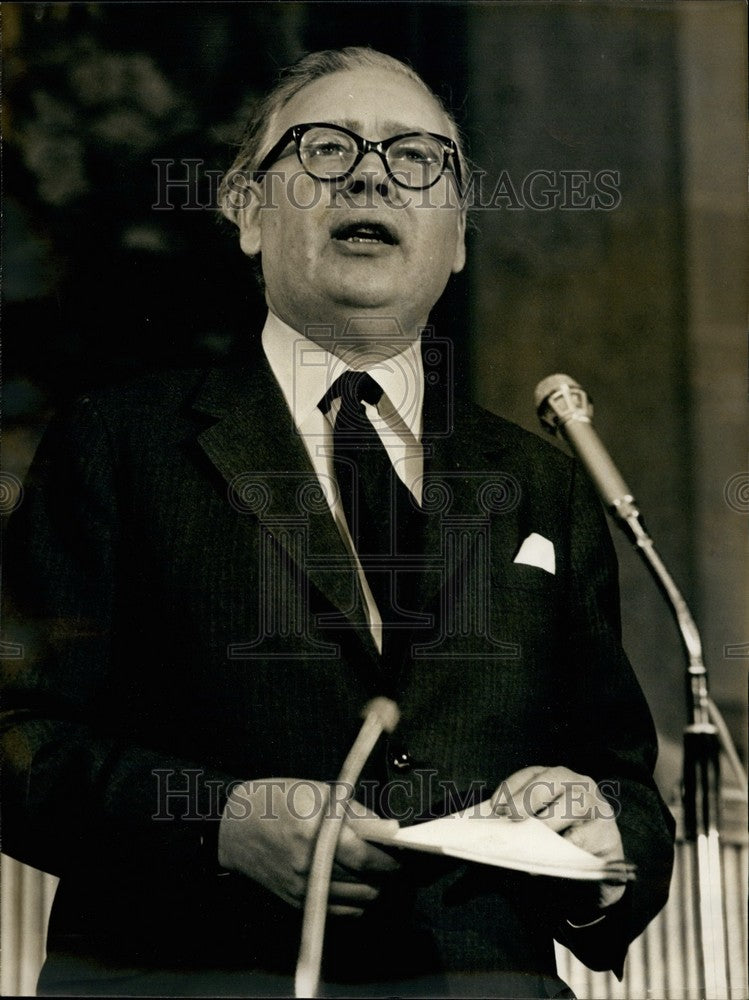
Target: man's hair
point(315, 65)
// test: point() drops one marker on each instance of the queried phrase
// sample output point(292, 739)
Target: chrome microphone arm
point(564, 406)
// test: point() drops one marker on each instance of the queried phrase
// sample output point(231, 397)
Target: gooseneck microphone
point(564, 406)
point(380, 715)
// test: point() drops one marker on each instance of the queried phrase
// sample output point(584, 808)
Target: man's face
point(318, 270)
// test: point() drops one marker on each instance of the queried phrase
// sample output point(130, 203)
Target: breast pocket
point(521, 576)
point(526, 609)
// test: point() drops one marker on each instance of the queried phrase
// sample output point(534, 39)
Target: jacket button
point(401, 759)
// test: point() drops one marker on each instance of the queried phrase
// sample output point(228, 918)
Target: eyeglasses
point(413, 160)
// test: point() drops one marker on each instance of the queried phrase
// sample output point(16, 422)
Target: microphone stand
point(701, 778)
point(564, 406)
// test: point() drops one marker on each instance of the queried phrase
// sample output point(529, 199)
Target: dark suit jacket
point(189, 617)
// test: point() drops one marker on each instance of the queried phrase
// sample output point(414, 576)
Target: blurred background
point(638, 294)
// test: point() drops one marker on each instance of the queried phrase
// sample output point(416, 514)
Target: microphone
point(563, 405)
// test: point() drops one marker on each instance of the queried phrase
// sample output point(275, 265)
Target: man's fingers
point(541, 798)
point(345, 911)
point(362, 857)
point(556, 795)
point(359, 856)
point(556, 819)
point(600, 837)
point(524, 793)
point(372, 826)
point(516, 783)
point(365, 822)
point(352, 893)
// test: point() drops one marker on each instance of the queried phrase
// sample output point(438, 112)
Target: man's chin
point(371, 320)
point(372, 292)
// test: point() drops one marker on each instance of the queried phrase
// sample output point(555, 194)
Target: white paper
point(527, 845)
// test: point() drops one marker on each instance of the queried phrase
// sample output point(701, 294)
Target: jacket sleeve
point(75, 790)
point(613, 736)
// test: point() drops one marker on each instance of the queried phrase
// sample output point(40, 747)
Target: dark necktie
point(378, 507)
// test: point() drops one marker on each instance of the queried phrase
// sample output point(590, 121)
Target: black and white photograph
point(374, 499)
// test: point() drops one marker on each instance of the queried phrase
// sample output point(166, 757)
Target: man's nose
point(370, 174)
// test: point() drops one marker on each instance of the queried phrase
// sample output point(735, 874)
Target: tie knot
point(352, 388)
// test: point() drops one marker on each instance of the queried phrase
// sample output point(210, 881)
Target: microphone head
point(549, 385)
point(559, 398)
point(385, 711)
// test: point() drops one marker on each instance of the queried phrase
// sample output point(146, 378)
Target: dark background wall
point(100, 283)
point(636, 298)
point(594, 292)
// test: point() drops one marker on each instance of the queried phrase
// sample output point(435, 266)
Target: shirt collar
point(305, 371)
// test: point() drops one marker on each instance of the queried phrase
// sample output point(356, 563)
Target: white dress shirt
point(305, 371)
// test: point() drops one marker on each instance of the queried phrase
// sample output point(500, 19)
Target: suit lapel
point(257, 450)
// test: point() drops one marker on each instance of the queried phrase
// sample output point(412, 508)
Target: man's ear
point(248, 219)
point(460, 247)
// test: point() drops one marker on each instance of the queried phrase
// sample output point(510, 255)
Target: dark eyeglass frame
point(363, 146)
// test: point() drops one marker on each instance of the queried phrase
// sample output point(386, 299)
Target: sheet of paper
point(524, 845)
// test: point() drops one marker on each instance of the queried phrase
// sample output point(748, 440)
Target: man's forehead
point(362, 99)
point(390, 126)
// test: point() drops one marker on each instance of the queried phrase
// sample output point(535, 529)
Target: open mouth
point(365, 232)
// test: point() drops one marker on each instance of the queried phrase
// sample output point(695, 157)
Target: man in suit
point(213, 572)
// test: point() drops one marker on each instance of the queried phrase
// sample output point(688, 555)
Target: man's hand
point(268, 832)
point(572, 805)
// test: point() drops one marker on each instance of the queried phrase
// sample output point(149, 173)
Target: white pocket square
point(537, 551)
